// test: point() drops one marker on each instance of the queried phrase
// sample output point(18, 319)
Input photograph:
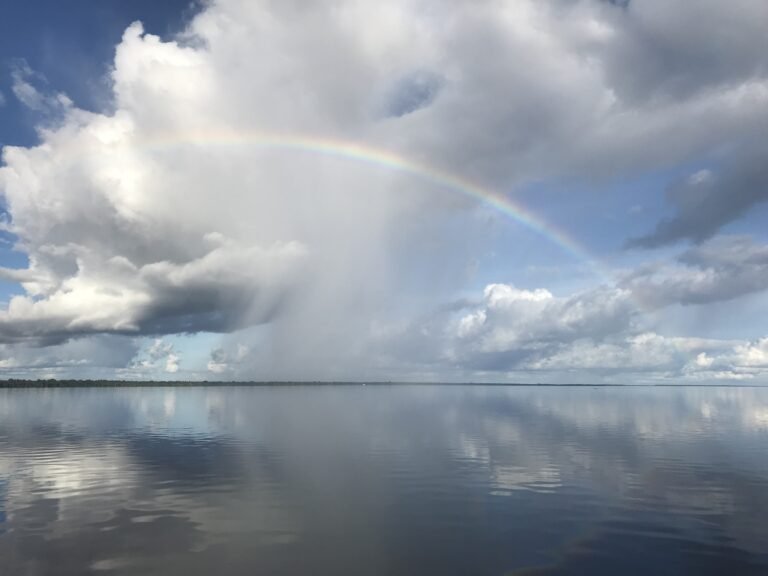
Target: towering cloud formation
point(167, 214)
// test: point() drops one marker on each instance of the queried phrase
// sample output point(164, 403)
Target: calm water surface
point(401, 480)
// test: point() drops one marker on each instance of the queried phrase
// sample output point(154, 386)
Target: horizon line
point(95, 383)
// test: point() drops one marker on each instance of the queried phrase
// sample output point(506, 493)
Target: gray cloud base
point(707, 201)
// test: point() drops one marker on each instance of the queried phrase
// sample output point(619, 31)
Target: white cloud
point(217, 367)
point(520, 319)
point(164, 216)
point(221, 288)
point(647, 352)
point(172, 363)
point(159, 356)
point(228, 360)
point(512, 328)
point(159, 349)
point(599, 335)
point(33, 97)
point(751, 355)
point(25, 92)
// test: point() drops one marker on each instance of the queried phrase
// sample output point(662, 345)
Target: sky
point(555, 191)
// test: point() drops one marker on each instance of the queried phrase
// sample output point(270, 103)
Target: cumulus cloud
point(752, 355)
point(98, 356)
point(160, 355)
point(168, 214)
point(511, 318)
point(172, 363)
point(510, 327)
point(644, 352)
point(224, 360)
point(599, 335)
point(741, 361)
point(219, 290)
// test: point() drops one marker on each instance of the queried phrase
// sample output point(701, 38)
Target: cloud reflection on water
point(380, 480)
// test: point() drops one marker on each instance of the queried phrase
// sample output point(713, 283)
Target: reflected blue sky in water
point(382, 480)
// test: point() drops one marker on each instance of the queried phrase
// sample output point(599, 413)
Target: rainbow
point(389, 160)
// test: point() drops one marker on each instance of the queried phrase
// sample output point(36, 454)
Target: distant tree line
point(90, 383)
point(55, 383)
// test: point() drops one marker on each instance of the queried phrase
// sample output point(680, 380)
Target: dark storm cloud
point(706, 201)
point(413, 92)
point(676, 49)
point(721, 269)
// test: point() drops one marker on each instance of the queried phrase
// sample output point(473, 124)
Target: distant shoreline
point(52, 383)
